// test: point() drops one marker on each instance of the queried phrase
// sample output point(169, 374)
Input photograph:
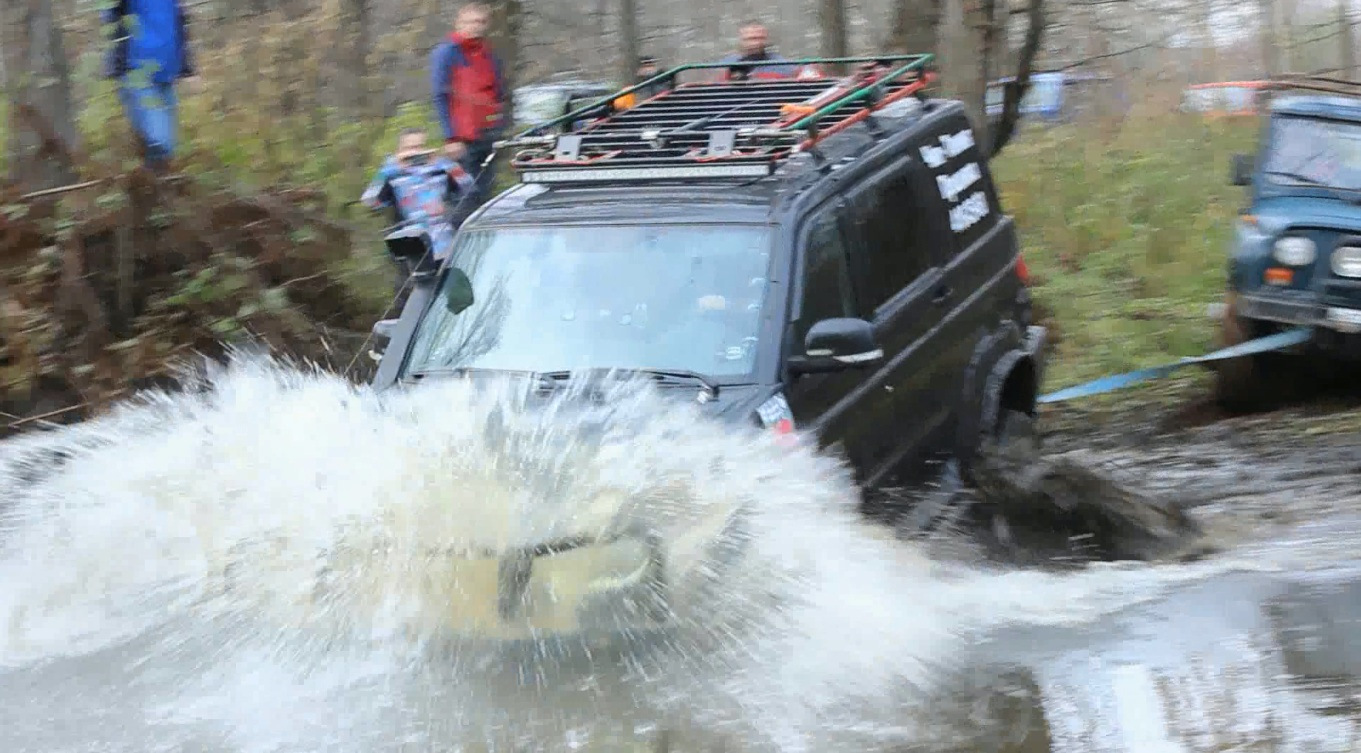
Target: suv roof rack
point(713, 129)
point(1316, 82)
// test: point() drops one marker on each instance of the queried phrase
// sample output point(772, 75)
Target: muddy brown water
point(1261, 661)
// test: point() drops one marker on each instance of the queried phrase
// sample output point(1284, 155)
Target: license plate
point(1347, 320)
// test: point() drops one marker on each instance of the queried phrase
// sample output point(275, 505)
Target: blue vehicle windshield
point(547, 299)
point(1311, 152)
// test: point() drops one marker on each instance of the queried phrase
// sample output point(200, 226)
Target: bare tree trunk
point(988, 28)
point(1271, 59)
point(436, 24)
point(1285, 34)
point(1005, 127)
point(507, 20)
point(965, 64)
point(355, 22)
point(628, 41)
point(832, 24)
point(39, 91)
point(1210, 50)
point(915, 27)
point(1348, 43)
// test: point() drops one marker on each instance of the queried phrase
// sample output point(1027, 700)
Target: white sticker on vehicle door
point(951, 145)
point(967, 200)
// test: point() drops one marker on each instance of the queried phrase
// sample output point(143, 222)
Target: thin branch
point(63, 189)
point(43, 417)
point(1118, 53)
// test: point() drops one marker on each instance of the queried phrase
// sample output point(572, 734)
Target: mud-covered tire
point(1017, 434)
point(1241, 384)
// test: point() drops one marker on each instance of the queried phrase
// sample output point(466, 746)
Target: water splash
point(273, 550)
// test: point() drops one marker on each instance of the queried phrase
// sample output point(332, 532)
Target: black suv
point(826, 253)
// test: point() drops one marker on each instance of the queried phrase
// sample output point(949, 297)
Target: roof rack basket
point(1316, 82)
point(713, 129)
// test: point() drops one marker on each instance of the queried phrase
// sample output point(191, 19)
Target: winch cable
point(1267, 344)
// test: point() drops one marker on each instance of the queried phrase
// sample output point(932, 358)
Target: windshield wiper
point(1305, 180)
point(460, 370)
point(443, 371)
point(674, 374)
point(661, 374)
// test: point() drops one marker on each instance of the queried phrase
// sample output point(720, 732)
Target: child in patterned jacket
point(422, 187)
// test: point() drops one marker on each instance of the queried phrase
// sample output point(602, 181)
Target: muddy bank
point(111, 288)
point(1245, 477)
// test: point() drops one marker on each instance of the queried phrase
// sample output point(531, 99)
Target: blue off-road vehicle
point(1296, 258)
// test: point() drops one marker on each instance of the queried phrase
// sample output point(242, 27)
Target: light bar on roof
point(659, 172)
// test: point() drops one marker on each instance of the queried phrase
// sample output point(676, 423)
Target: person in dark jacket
point(753, 46)
point(148, 55)
point(468, 87)
point(647, 68)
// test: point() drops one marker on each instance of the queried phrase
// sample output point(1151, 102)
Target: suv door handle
point(942, 294)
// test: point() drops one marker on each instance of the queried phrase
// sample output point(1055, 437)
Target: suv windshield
point(1313, 152)
point(550, 299)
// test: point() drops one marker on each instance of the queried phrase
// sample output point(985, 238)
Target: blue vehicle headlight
point(1346, 262)
point(1294, 251)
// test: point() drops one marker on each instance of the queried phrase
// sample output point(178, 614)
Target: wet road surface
point(1261, 661)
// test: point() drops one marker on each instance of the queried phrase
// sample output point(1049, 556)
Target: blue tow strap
point(1278, 341)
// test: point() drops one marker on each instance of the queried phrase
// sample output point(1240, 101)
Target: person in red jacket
point(468, 88)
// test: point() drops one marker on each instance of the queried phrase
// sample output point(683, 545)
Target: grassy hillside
point(1126, 232)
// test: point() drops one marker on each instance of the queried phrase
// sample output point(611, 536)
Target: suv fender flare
point(998, 357)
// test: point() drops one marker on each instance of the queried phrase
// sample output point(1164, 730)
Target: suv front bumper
point(1337, 328)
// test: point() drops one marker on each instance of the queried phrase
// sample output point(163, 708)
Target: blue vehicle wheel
point(1247, 383)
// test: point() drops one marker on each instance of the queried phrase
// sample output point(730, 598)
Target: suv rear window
point(674, 297)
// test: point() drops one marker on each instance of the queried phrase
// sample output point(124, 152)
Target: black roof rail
point(715, 129)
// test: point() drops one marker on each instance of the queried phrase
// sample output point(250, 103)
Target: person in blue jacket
point(148, 55)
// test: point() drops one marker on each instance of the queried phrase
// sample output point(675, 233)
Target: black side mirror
point(836, 345)
point(412, 244)
point(383, 330)
point(1241, 170)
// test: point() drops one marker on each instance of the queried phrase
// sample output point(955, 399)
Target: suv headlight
point(1347, 262)
point(1294, 251)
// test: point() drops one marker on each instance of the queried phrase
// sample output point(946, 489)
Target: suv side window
point(898, 221)
point(826, 279)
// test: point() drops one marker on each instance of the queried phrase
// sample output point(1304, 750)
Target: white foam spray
point(263, 562)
